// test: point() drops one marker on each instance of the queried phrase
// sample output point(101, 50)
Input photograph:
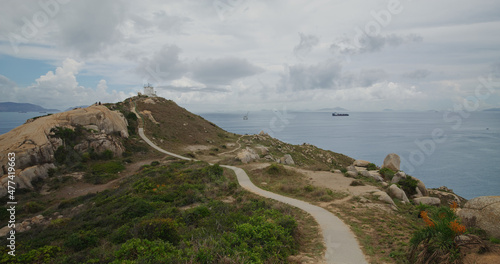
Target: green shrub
point(192, 216)
point(371, 166)
point(155, 163)
point(262, 239)
point(82, 240)
point(409, 185)
point(309, 188)
point(275, 169)
point(145, 251)
point(387, 173)
point(435, 243)
point(33, 207)
point(495, 240)
point(44, 254)
point(121, 234)
point(144, 185)
point(164, 229)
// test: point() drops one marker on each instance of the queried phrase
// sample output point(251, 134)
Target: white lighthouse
point(149, 90)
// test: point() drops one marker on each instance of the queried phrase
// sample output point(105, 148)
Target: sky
point(243, 55)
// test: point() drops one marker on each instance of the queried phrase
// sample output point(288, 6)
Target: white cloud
point(60, 89)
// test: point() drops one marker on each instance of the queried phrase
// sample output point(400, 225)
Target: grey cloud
point(307, 42)
point(367, 44)
point(90, 26)
point(167, 23)
point(365, 78)
point(222, 71)
point(163, 66)
point(417, 74)
point(323, 75)
point(371, 76)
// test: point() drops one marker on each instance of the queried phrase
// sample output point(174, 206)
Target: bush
point(435, 243)
point(82, 240)
point(164, 229)
point(275, 169)
point(387, 173)
point(44, 254)
point(33, 207)
point(371, 166)
point(409, 185)
point(145, 251)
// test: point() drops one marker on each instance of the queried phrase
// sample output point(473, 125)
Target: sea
point(457, 150)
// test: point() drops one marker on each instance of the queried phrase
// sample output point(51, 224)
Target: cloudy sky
point(227, 55)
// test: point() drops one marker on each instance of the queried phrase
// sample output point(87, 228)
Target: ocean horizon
point(462, 153)
point(439, 148)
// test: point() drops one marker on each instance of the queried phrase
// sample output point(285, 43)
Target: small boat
point(339, 114)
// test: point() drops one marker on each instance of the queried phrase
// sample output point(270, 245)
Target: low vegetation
point(168, 213)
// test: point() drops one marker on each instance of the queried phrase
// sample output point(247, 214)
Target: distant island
point(23, 107)
point(332, 109)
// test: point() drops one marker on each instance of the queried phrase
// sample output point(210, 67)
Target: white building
point(149, 90)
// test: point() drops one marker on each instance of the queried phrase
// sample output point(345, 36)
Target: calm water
point(463, 156)
point(10, 120)
point(460, 153)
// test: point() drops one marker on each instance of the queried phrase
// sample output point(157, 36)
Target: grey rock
point(484, 212)
point(361, 163)
point(392, 161)
point(396, 192)
point(428, 201)
point(384, 197)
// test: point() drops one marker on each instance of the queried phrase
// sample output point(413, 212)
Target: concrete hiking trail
point(341, 246)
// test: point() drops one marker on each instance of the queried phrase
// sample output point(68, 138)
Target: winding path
point(341, 246)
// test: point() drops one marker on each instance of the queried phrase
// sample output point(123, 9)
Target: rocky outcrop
point(247, 155)
point(483, 212)
point(392, 161)
point(34, 145)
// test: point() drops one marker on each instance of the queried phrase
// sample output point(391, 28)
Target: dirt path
point(341, 246)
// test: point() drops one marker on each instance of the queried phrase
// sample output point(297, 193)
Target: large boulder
point(396, 192)
point(247, 155)
point(286, 160)
point(484, 212)
point(384, 197)
point(392, 161)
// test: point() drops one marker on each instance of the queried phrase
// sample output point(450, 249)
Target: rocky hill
point(36, 142)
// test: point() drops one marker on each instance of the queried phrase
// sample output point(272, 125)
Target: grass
point(288, 182)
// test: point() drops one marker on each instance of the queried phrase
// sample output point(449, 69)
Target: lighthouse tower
point(149, 90)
